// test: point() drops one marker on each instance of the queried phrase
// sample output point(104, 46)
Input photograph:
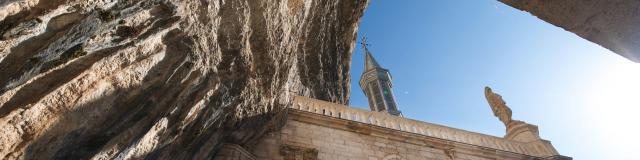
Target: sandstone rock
point(168, 79)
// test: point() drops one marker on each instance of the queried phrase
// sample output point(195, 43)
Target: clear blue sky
point(584, 98)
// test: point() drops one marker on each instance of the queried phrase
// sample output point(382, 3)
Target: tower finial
point(370, 62)
point(364, 43)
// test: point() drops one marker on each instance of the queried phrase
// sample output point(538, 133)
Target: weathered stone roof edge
point(418, 127)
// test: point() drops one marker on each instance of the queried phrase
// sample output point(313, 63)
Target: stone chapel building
point(315, 129)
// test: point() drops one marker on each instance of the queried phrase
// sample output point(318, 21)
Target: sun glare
point(613, 106)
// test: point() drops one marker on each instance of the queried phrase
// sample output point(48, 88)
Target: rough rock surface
point(167, 79)
point(612, 24)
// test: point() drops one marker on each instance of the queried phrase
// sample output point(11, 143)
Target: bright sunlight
point(614, 106)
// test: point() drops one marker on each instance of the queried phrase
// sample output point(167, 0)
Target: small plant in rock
point(107, 16)
point(127, 31)
point(73, 53)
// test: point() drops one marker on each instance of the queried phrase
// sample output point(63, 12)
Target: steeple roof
point(369, 61)
point(375, 82)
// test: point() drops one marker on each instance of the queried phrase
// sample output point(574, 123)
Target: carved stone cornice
point(234, 152)
point(356, 120)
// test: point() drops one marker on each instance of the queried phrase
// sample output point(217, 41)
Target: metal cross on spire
point(364, 43)
point(370, 62)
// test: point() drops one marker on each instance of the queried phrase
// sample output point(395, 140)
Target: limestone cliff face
point(613, 24)
point(168, 79)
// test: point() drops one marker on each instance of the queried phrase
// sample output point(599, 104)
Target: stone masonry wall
point(355, 141)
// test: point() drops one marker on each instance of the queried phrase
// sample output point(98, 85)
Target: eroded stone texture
point(612, 24)
point(169, 79)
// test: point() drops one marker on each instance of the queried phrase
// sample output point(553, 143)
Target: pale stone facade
point(315, 129)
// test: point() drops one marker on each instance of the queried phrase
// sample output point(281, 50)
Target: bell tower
point(375, 82)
